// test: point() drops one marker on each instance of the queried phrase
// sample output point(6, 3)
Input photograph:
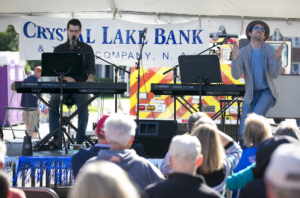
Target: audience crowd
point(203, 162)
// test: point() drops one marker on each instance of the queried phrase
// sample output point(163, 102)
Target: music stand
point(55, 63)
point(200, 69)
point(61, 64)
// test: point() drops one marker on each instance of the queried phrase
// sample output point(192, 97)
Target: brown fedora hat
point(253, 23)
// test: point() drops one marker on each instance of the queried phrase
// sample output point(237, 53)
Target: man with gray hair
point(165, 167)
point(282, 176)
point(120, 132)
point(185, 157)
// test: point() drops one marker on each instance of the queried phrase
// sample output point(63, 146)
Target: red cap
point(230, 41)
point(100, 125)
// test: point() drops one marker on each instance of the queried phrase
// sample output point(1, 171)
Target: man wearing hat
point(28, 100)
point(83, 155)
point(260, 64)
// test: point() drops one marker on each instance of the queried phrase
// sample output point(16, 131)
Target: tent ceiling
point(252, 8)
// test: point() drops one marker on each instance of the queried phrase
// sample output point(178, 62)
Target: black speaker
point(156, 135)
point(27, 146)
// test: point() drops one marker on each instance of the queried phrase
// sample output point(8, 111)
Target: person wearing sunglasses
point(260, 64)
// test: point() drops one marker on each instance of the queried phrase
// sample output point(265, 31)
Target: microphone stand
point(138, 85)
point(215, 44)
point(61, 135)
point(116, 73)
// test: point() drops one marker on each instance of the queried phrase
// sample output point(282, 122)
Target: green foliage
point(9, 40)
point(27, 67)
point(34, 63)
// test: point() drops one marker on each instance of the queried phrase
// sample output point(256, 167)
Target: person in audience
point(256, 188)
point(193, 119)
point(185, 157)
point(256, 129)
point(120, 131)
point(165, 168)
point(240, 179)
point(103, 180)
point(83, 155)
point(29, 73)
point(12, 192)
point(28, 100)
point(4, 186)
point(288, 129)
point(216, 165)
point(282, 177)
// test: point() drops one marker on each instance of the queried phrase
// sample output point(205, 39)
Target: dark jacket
point(139, 148)
point(29, 100)
point(180, 185)
point(89, 59)
point(256, 188)
point(83, 155)
point(140, 170)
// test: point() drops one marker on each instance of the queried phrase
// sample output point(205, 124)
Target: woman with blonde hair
point(165, 167)
point(217, 164)
point(103, 179)
point(256, 129)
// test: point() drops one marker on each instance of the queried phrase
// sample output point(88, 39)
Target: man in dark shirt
point(83, 155)
point(28, 100)
point(185, 157)
point(74, 29)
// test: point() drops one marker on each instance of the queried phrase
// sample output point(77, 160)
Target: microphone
point(144, 32)
point(73, 43)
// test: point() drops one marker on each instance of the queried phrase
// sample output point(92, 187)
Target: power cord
point(9, 145)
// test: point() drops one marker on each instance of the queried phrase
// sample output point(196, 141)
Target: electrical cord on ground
point(9, 144)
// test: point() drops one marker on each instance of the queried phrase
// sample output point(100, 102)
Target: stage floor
point(14, 146)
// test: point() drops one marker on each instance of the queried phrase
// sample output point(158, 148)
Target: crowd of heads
point(199, 151)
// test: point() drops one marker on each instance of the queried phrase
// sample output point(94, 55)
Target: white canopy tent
point(234, 15)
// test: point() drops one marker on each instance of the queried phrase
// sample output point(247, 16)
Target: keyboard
point(69, 87)
point(193, 89)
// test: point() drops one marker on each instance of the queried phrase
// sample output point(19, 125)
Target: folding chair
point(27, 110)
point(39, 192)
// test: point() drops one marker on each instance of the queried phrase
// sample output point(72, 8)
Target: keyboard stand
point(66, 121)
point(222, 112)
